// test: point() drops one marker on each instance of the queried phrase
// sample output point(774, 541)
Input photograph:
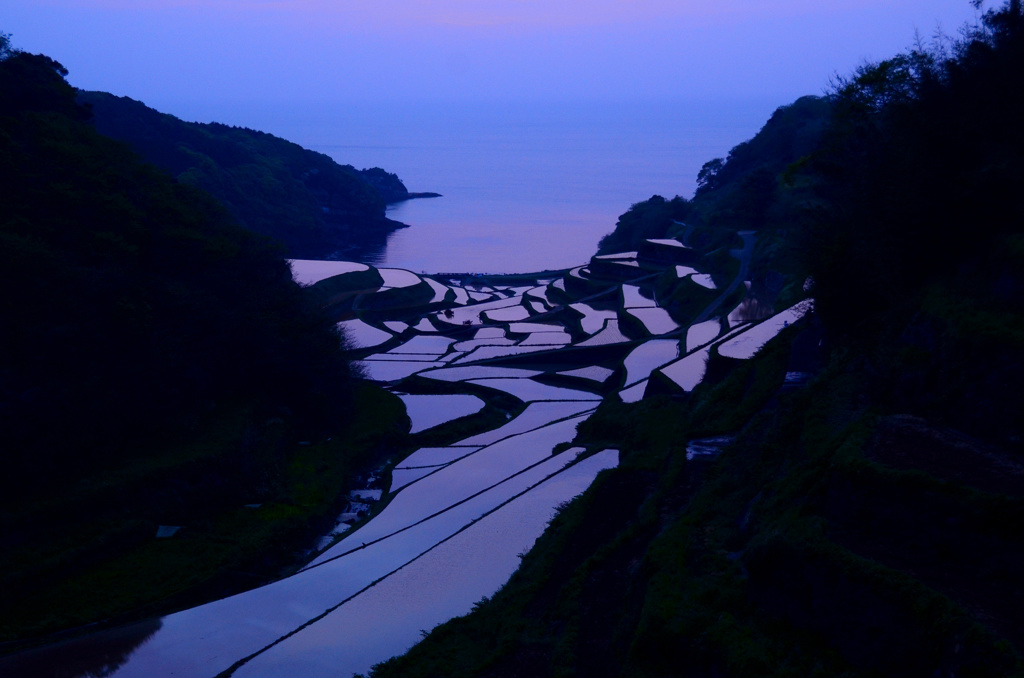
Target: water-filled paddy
point(609, 335)
point(649, 356)
point(427, 411)
point(425, 345)
point(362, 335)
point(427, 531)
point(471, 344)
point(746, 344)
point(444, 582)
point(689, 371)
point(704, 280)
point(631, 298)
point(528, 390)
point(440, 291)
point(310, 271)
point(683, 271)
point(443, 494)
point(390, 370)
point(547, 339)
point(529, 328)
point(656, 320)
point(593, 319)
point(508, 314)
point(594, 373)
point(478, 372)
point(402, 477)
point(702, 333)
point(436, 456)
point(397, 277)
point(489, 352)
point(634, 393)
point(536, 414)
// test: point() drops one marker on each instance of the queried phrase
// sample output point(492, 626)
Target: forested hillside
point(157, 366)
point(316, 207)
point(871, 521)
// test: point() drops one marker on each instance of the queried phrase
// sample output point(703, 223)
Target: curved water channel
point(458, 517)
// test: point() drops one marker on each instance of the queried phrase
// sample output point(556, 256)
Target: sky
point(205, 55)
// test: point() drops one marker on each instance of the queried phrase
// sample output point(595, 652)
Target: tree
point(707, 178)
point(5, 46)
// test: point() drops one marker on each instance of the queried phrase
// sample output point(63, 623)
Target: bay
point(527, 186)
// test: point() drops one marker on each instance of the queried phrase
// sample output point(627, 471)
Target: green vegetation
point(870, 522)
point(158, 366)
point(92, 555)
point(649, 219)
point(313, 205)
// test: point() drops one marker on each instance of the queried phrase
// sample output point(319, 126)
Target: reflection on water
point(748, 343)
point(649, 356)
point(634, 393)
point(458, 482)
point(593, 319)
point(528, 390)
point(535, 415)
point(390, 370)
point(208, 639)
point(388, 618)
point(436, 456)
point(609, 335)
point(94, 656)
point(688, 372)
point(477, 372)
point(425, 345)
point(308, 272)
point(656, 320)
point(362, 335)
point(427, 411)
point(702, 333)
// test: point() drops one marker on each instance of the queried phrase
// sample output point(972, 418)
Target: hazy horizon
point(531, 117)
point(205, 60)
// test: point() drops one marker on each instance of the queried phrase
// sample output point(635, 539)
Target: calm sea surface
point(525, 187)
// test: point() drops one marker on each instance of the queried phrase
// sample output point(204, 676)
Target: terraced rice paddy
point(593, 319)
point(309, 271)
point(397, 278)
point(609, 335)
point(702, 333)
point(656, 320)
point(748, 343)
point(704, 280)
point(362, 335)
point(455, 518)
point(427, 411)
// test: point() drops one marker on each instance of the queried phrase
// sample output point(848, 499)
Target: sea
point(526, 186)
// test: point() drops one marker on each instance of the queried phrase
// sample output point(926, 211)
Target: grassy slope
point(91, 554)
point(797, 552)
point(868, 524)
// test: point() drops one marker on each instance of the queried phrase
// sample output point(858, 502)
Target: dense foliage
point(870, 523)
point(649, 219)
point(315, 206)
point(914, 222)
point(133, 305)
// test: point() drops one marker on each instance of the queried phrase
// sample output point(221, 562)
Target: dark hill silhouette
point(318, 208)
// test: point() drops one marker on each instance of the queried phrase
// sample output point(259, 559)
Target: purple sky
point(179, 55)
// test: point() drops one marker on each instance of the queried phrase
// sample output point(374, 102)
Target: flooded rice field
point(450, 522)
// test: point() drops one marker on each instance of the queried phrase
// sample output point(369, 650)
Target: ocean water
point(527, 186)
